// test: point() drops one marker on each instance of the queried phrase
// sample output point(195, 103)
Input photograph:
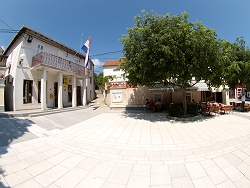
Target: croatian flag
point(86, 49)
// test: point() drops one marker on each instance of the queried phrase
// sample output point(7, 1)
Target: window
point(76, 60)
point(39, 91)
point(39, 48)
point(157, 96)
point(27, 91)
point(60, 54)
point(69, 93)
point(239, 92)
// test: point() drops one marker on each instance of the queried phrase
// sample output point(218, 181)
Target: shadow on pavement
point(12, 130)
point(164, 117)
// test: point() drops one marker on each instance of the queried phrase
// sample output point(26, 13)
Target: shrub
point(175, 110)
point(192, 109)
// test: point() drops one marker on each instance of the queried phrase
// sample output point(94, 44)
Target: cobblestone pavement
point(116, 149)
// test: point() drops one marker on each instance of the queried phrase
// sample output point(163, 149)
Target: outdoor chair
point(158, 107)
point(247, 108)
point(216, 109)
point(209, 110)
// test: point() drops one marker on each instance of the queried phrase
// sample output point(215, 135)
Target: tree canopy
point(239, 70)
point(173, 50)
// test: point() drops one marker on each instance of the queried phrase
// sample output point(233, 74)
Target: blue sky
point(71, 22)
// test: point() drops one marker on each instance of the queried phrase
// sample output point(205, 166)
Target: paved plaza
point(99, 148)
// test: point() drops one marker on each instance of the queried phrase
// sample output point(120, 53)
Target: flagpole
point(81, 42)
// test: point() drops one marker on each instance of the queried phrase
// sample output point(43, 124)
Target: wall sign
point(65, 80)
point(117, 97)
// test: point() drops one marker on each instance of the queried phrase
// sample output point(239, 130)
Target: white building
point(43, 73)
point(110, 69)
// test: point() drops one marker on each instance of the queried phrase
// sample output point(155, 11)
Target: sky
point(71, 22)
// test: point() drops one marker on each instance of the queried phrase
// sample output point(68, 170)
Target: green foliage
point(175, 111)
point(192, 109)
point(100, 80)
point(160, 47)
point(238, 72)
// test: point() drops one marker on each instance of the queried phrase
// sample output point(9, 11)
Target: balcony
point(118, 85)
point(52, 61)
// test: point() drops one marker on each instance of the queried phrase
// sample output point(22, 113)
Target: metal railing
point(114, 85)
point(59, 63)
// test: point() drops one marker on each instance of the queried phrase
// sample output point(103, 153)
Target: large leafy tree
point(239, 70)
point(173, 50)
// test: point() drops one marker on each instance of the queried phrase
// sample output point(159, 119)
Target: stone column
point(43, 90)
point(60, 90)
point(74, 100)
point(84, 100)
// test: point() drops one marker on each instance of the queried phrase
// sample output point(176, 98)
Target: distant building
point(110, 68)
point(43, 73)
point(1, 50)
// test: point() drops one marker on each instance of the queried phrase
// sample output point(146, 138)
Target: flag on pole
point(86, 49)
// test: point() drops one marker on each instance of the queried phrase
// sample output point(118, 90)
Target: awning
point(200, 86)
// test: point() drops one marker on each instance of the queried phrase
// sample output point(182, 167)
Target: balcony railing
point(118, 85)
point(59, 63)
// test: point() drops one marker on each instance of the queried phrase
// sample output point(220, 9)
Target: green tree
point(101, 80)
point(173, 50)
point(239, 70)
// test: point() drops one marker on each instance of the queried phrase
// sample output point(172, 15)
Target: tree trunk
point(184, 101)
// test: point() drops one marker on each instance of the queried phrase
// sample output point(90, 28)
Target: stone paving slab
point(133, 150)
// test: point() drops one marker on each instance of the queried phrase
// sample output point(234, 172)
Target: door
point(78, 95)
point(219, 97)
point(56, 94)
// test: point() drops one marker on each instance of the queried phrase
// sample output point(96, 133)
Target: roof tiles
point(112, 63)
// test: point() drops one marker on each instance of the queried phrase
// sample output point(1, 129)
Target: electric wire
point(106, 53)
point(6, 24)
point(8, 31)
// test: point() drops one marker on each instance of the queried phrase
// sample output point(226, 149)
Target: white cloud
point(97, 63)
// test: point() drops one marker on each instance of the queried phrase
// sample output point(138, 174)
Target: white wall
point(118, 74)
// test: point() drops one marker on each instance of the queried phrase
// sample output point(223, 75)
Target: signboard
point(64, 87)
point(117, 97)
point(65, 80)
